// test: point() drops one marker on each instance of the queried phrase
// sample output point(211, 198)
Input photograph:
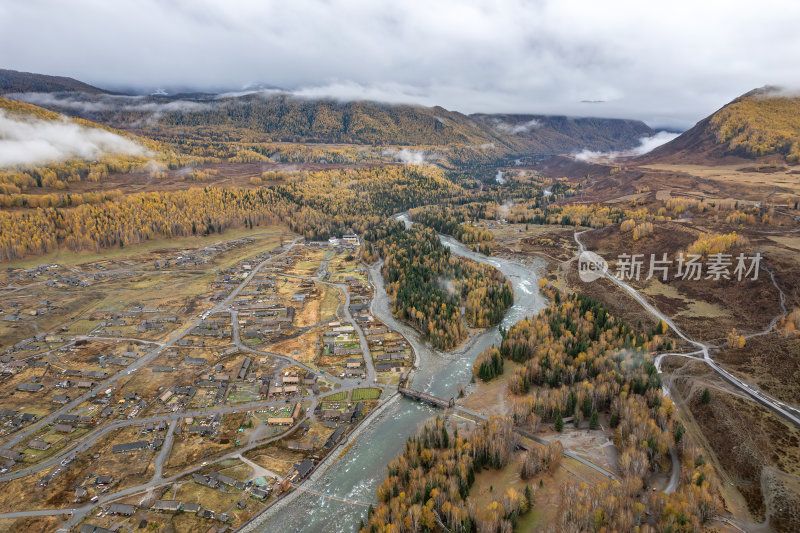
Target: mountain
point(286, 117)
point(271, 115)
point(552, 134)
point(12, 81)
point(291, 118)
point(761, 124)
point(283, 117)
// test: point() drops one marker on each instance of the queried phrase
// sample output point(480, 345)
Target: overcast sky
point(669, 63)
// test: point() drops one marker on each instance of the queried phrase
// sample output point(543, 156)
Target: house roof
point(130, 446)
point(122, 508)
point(166, 505)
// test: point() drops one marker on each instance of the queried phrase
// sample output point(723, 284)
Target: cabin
point(123, 509)
point(130, 446)
point(39, 445)
point(166, 505)
point(301, 470)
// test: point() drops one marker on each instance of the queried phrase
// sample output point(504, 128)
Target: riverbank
point(321, 469)
point(355, 475)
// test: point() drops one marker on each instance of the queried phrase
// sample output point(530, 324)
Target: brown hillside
point(762, 126)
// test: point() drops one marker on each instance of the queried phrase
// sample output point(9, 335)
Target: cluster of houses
point(297, 412)
point(342, 341)
point(64, 424)
point(220, 328)
point(11, 420)
point(230, 278)
point(143, 318)
point(57, 275)
point(264, 319)
point(288, 384)
point(200, 257)
point(16, 314)
point(259, 489)
point(182, 395)
point(24, 344)
point(389, 350)
point(336, 416)
point(217, 382)
point(209, 427)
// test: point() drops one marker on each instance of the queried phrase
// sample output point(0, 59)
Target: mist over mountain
point(276, 115)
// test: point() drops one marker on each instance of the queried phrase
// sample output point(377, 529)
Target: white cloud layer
point(103, 103)
point(27, 142)
point(646, 144)
point(517, 128)
point(669, 63)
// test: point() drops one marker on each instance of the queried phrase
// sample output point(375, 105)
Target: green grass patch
point(366, 394)
point(336, 397)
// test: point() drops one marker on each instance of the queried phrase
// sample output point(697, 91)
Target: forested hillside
point(551, 134)
point(65, 166)
point(764, 122)
point(760, 123)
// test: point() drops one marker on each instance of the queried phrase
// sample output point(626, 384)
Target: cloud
point(410, 157)
point(517, 128)
point(35, 141)
point(669, 67)
point(86, 103)
point(646, 144)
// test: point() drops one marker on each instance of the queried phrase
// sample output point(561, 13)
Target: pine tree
point(594, 423)
point(678, 433)
point(529, 496)
point(586, 408)
point(559, 423)
point(706, 397)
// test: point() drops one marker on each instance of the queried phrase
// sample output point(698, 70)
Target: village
point(199, 401)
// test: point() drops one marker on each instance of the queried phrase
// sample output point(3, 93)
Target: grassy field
point(302, 348)
point(336, 397)
point(735, 174)
point(244, 394)
point(330, 301)
point(366, 394)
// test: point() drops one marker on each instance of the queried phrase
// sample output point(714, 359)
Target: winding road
point(788, 412)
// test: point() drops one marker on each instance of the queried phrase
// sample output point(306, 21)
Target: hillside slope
point(298, 119)
point(761, 124)
point(552, 134)
point(13, 81)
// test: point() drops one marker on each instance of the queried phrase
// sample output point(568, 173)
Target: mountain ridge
point(274, 116)
point(14, 81)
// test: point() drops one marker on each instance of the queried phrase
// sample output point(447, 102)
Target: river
point(357, 474)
